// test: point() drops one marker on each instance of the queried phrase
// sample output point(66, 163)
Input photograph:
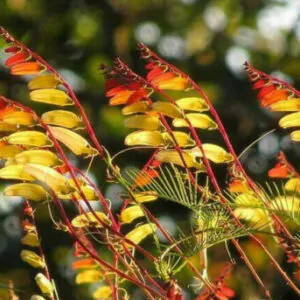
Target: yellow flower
point(295, 136)
point(140, 233)
point(138, 107)
point(51, 96)
point(286, 105)
point(62, 118)
point(88, 276)
point(4, 127)
point(16, 172)
point(32, 259)
point(193, 104)
point(293, 185)
point(103, 292)
point(213, 152)
point(29, 191)
point(72, 140)
point(142, 197)
point(57, 182)
point(143, 122)
point(290, 120)
point(131, 213)
point(167, 109)
point(19, 118)
point(29, 138)
point(181, 138)
point(88, 219)
point(8, 151)
point(44, 284)
point(30, 239)
point(201, 121)
point(144, 138)
point(48, 81)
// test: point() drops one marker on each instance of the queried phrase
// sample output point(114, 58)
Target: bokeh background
point(208, 39)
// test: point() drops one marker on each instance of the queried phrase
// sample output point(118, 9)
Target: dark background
point(208, 39)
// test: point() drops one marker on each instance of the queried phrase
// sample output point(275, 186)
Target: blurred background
point(208, 39)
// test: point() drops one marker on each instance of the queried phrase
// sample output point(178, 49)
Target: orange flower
point(274, 97)
point(27, 68)
point(238, 186)
point(279, 171)
point(83, 263)
point(16, 59)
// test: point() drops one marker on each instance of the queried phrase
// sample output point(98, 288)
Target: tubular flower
point(89, 194)
point(62, 118)
point(143, 122)
point(290, 120)
point(48, 81)
point(30, 239)
point(144, 138)
point(284, 105)
point(32, 259)
point(213, 152)
point(76, 143)
point(4, 127)
point(88, 219)
point(29, 138)
point(295, 136)
point(29, 191)
point(16, 59)
point(138, 107)
point(8, 151)
point(142, 197)
point(50, 177)
point(167, 109)
point(88, 276)
point(293, 185)
point(27, 68)
point(279, 171)
point(181, 138)
point(103, 292)
point(15, 172)
point(145, 177)
point(51, 96)
point(44, 284)
point(19, 118)
point(84, 263)
point(238, 186)
point(40, 157)
point(192, 104)
point(131, 213)
point(140, 233)
point(173, 157)
point(201, 121)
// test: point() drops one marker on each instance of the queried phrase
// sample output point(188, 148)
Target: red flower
point(279, 171)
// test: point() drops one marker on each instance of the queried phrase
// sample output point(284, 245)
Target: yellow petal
point(173, 157)
point(19, 118)
point(44, 284)
point(29, 191)
point(88, 276)
point(131, 213)
point(57, 182)
point(8, 127)
point(182, 139)
point(16, 172)
point(142, 122)
point(142, 197)
point(144, 138)
point(167, 109)
point(140, 233)
point(29, 138)
point(88, 219)
point(213, 152)
point(48, 81)
point(293, 185)
point(8, 151)
point(295, 136)
point(62, 118)
point(193, 104)
point(32, 258)
point(286, 105)
point(51, 96)
point(138, 107)
point(40, 157)
point(72, 140)
point(176, 83)
point(201, 121)
point(30, 239)
point(88, 192)
point(290, 120)
point(103, 292)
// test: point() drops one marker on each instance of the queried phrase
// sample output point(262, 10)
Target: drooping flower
point(88, 276)
point(140, 233)
point(44, 284)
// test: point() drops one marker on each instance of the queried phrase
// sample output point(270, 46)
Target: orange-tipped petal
point(27, 68)
point(279, 171)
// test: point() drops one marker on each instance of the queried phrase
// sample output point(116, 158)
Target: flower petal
point(48, 81)
point(27, 68)
point(144, 138)
point(88, 219)
point(44, 284)
point(19, 118)
point(293, 185)
point(193, 104)
point(29, 138)
point(140, 233)
point(29, 191)
point(167, 109)
point(30, 239)
point(138, 107)
point(290, 120)
point(286, 105)
point(15, 172)
point(131, 213)
point(62, 118)
point(142, 122)
point(103, 292)
point(201, 121)
point(181, 138)
point(51, 96)
point(88, 276)
point(32, 258)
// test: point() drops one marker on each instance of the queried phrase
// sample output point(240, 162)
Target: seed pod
point(201, 121)
point(51, 96)
point(57, 182)
point(48, 81)
point(144, 138)
point(32, 258)
point(62, 118)
point(88, 276)
point(15, 172)
point(193, 104)
point(44, 284)
point(29, 138)
point(72, 140)
point(143, 122)
point(138, 107)
point(131, 213)
point(88, 219)
point(29, 191)
point(167, 109)
point(140, 233)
